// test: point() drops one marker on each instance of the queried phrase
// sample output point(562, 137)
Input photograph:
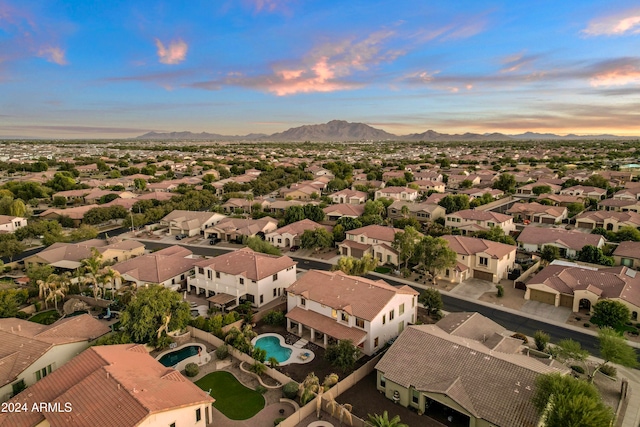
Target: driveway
point(547, 311)
point(473, 288)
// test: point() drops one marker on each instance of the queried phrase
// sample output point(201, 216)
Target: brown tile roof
point(571, 239)
point(464, 245)
point(23, 342)
point(477, 215)
point(248, 263)
point(378, 232)
point(158, 266)
point(344, 209)
point(628, 249)
point(631, 218)
point(299, 227)
point(326, 325)
point(491, 385)
point(358, 296)
point(537, 208)
point(107, 386)
point(73, 213)
point(614, 282)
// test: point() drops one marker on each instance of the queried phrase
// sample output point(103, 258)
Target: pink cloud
point(269, 5)
point(174, 53)
point(325, 68)
point(53, 54)
point(627, 22)
point(627, 74)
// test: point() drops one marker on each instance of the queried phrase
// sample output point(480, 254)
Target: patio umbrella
point(184, 297)
point(108, 312)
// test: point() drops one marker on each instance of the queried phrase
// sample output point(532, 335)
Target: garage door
point(566, 301)
point(483, 275)
point(541, 296)
point(548, 220)
point(584, 225)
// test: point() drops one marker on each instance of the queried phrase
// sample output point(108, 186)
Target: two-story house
point(397, 193)
point(353, 197)
point(472, 220)
point(30, 351)
point(569, 243)
point(243, 275)
point(423, 212)
point(375, 240)
point(609, 220)
point(480, 259)
point(332, 306)
point(191, 223)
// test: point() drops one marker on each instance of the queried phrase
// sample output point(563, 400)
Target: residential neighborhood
point(166, 279)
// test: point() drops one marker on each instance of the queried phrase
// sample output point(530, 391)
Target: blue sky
point(117, 69)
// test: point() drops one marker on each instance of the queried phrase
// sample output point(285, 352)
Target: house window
point(41, 373)
point(413, 302)
point(401, 309)
point(18, 386)
point(446, 272)
point(375, 344)
point(200, 270)
point(242, 281)
point(344, 316)
point(217, 274)
point(362, 239)
point(275, 277)
point(279, 240)
point(359, 323)
point(261, 299)
point(303, 302)
point(172, 425)
point(209, 274)
point(384, 319)
point(334, 314)
point(274, 292)
point(392, 314)
point(484, 261)
point(198, 414)
point(415, 396)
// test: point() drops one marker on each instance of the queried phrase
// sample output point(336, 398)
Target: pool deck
point(298, 355)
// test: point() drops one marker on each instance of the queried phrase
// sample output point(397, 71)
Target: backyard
point(233, 399)
point(45, 317)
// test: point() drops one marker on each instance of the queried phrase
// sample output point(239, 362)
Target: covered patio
point(223, 301)
point(322, 329)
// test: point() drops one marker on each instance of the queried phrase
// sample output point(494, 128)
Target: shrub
point(520, 336)
point(278, 420)
point(577, 368)
point(609, 370)
point(191, 369)
point(587, 325)
point(258, 368)
point(22, 315)
point(274, 318)
point(222, 352)
point(500, 291)
point(261, 389)
point(290, 390)
point(259, 354)
point(542, 339)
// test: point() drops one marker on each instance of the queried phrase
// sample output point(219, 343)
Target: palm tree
point(273, 362)
point(343, 411)
point(309, 387)
point(53, 287)
point(384, 421)
point(107, 276)
point(92, 267)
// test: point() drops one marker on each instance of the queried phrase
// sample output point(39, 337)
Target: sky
point(121, 68)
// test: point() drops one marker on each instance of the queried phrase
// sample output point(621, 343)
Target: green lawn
point(45, 317)
point(382, 270)
point(234, 400)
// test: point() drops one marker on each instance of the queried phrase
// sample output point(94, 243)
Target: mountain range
point(340, 130)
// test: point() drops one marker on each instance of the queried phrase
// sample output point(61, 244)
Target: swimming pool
point(187, 353)
point(273, 348)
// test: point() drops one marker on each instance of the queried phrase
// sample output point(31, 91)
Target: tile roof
point(537, 208)
point(464, 245)
point(491, 385)
point(345, 209)
point(628, 249)
point(358, 296)
point(326, 325)
point(24, 342)
point(298, 227)
point(378, 232)
point(107, 385)
point(248, 263)
point(629, 217)
point(158, 266)
point(571, 239)
point(614, 282)
point(477, 215)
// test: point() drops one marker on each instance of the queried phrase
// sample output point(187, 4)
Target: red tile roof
point(248, 263)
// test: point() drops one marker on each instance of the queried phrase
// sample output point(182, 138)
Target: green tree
point(36, 272)
point(11, 247)
point(614, 348)
point(141, 184)
point(349, 223)
point(339, 233)
point(17, 208)
point(434, 255)
point(594, 255)
point(313, 212)
point(152, 312)
point(92, 266)
point(342, 355)
point(496, 234)
point(505, 182)
point(431, 299)
point(466, 183)
point(259, 245)
point(625, 234)
point(563, 401)
point(62, 181)
point(316, 239)
point(406, 243)
point(356, 267)
point(84, 232)
point(294, 214)
point(541, 189)
point(550, 253)
point(455, 203)
point(541, 339)
point(11, 300)
point(59, 202)
point(384, 421)
point(596, 180)
point(610, 313)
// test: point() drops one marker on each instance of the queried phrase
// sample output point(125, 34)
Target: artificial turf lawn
point(45, 317)
point(234, 400)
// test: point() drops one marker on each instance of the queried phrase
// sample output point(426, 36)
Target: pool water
point(171, 359)
point(273, 348)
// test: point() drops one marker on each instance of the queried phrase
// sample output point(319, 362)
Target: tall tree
point(406, 243)
point(610, 313)
point(356, 267)
point(431, 299)
point(435, 255)
point(614, 348)
point(316, 238)
point(506, 182)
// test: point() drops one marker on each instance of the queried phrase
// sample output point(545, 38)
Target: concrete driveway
point(473, 288)
point(547, 311)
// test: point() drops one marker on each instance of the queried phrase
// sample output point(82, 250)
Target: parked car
point(214, 241)
point(180, 236)
point(294, 248)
